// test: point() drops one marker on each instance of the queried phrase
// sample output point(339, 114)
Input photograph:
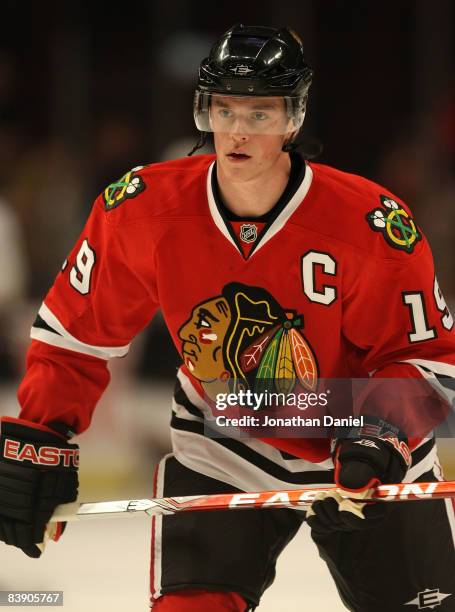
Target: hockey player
point(326, 273)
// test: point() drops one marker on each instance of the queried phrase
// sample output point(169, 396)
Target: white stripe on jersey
point(451, 515)
point(429, 371)
point(207, 456)
point(425, 465)
point(446, 393)
point(266, 450)
point(438, 367)
point(449, 503)
point(64, 339)
point(157, 526)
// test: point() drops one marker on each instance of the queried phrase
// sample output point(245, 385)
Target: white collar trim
point(279, 222)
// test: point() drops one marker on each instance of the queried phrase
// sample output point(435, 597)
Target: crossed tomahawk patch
point(129, 186)
point(395, 224)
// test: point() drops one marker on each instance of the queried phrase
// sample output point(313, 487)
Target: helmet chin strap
point(288, 147)
point(309, 148)
point(200, 143)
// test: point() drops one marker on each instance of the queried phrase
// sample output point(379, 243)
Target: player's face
point(249, 134)
point(203, 336)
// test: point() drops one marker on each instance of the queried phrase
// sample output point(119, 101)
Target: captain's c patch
point(129, 186)
point(395, 224)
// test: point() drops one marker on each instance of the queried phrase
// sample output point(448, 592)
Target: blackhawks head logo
point(245, 337)
point(129, 186)
point(397, 227)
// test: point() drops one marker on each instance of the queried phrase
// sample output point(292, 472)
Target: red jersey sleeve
point(103, 296)
point(399, 327)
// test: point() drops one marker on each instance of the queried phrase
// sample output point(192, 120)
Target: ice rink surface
point(102, 566)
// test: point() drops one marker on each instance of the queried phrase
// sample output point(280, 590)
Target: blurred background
point(90, 90)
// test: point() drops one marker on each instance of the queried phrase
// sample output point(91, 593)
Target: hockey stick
point(296, 499)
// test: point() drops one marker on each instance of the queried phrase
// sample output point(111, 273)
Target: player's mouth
point(238, 158)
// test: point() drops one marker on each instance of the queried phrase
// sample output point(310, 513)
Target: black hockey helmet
point(257, 61)
point(253, 61)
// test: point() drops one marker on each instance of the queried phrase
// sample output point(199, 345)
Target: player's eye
point(225, 113)
point(259, 116)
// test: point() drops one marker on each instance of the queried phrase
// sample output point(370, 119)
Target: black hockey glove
point(360, 465)
point(38, 471)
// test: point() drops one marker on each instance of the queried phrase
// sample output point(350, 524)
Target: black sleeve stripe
point(40, 323)
point(446, 381)
point(261, 462)
point(422, 451)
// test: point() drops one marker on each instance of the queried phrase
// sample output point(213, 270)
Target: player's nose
point(238, 131)
point(239, 137)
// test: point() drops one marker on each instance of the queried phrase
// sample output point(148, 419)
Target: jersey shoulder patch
point(365, 215)
point(127, 187)
point(395, 224)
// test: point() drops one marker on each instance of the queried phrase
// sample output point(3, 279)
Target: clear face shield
point(232, 114)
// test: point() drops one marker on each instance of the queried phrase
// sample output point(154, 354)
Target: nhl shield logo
point(248, 232)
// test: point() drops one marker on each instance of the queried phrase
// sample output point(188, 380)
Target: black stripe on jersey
point(420, 453)
point(443, 379)
point(287, 456)
point(256, 459)
point(182, 399)
point(261, 462)
point(446, 381)
point(40, 323)
point(417, 455)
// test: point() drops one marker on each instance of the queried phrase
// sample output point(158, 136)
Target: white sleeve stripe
point(64, 339)
point(429, 371)
point(438, 367)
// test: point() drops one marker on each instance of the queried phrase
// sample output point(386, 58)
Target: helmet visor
point(215, 112)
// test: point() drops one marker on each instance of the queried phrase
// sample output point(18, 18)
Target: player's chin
point(240, 171)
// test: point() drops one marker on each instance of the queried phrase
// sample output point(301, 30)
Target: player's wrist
point(23, 443)
point(25, 426)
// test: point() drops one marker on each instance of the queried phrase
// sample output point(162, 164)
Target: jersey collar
point(275, 224)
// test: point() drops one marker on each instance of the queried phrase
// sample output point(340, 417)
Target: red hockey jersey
point(343, 270)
